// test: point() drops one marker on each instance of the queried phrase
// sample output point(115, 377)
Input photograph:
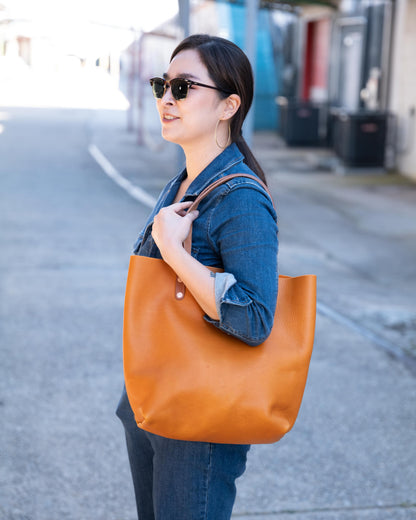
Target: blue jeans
point(181, 480)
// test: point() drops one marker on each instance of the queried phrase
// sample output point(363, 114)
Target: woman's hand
point(171, 226)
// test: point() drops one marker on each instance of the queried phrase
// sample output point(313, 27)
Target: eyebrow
point(184, 75)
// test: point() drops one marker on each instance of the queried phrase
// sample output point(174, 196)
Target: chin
point(168, 136)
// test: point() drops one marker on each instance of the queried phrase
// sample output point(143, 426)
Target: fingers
point(180, 208)
point(192, 215)
point(171, 217)
point(171, 226)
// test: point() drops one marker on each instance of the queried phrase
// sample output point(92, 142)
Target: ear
point(231, 105)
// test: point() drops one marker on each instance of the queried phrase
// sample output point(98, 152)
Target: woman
point(202, 101)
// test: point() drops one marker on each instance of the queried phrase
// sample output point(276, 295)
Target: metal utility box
point(359, 138)
point(301, 123)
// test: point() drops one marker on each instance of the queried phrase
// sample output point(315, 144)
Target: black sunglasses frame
point(178, 95)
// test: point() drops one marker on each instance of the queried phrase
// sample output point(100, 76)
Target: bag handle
point(180, 286)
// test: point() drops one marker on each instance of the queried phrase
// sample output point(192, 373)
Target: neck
point(198, 159)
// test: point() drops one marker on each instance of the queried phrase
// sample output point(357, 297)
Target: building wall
point(315, 77)
point(265, 108)
point(403, 86)
point(228, 21)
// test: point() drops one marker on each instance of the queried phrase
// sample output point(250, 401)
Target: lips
point(169, 117)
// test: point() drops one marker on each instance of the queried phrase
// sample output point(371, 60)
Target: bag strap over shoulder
point(180, 286)
point(223, 180)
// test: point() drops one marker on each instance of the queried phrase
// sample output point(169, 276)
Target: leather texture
point(187, 380)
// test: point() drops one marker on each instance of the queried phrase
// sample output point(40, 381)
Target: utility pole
point(184, 15)
point(252, 7)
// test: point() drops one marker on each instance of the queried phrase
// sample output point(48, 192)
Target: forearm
point(245, 233)
point(197, 278)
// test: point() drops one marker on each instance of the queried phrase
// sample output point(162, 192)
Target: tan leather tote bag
point(187, 380)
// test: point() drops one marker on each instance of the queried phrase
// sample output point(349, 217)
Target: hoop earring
point(228, 139)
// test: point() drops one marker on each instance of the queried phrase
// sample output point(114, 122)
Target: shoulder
point(241, 205)
point(245, 192)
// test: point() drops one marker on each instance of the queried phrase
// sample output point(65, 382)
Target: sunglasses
point(178, 86)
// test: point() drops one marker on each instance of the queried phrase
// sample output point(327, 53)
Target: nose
point(167, 97)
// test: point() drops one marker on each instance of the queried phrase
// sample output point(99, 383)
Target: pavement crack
point(390, 348)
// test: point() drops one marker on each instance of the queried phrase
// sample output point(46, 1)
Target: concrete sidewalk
point(352, 452)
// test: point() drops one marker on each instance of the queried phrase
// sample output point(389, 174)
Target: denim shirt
point(236, 230)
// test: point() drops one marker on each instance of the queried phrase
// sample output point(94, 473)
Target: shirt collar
point(224, 161)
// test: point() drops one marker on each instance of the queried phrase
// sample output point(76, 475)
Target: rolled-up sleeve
point(223, 281)
point(243, 229)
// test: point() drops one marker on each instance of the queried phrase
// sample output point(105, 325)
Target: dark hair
point(229, 69)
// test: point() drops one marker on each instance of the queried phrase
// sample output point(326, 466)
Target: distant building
point(402, 98)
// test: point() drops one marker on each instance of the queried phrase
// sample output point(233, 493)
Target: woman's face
point(190, 121)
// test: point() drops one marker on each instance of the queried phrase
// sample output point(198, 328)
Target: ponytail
point(249, 158)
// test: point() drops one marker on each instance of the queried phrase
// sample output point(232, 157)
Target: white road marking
point(134, 191)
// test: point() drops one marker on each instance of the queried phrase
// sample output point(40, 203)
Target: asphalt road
point(65, 238)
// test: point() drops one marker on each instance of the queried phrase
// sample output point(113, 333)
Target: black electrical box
point(300, 124)
point(359, 138)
